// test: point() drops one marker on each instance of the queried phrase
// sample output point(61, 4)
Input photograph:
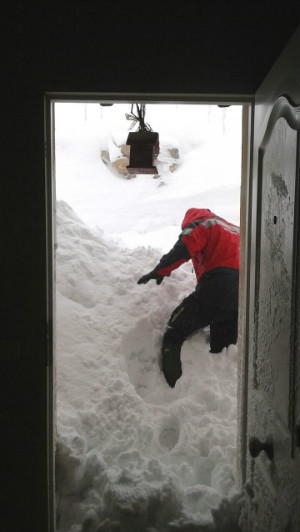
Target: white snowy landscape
point(133, 454)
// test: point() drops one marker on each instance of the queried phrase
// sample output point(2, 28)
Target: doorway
point(130, 450)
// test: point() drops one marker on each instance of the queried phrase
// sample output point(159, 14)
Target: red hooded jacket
point(207, 239)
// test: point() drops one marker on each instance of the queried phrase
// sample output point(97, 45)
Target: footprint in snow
point(169, 433)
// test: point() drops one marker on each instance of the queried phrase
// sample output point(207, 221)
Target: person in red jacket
point(213, 245)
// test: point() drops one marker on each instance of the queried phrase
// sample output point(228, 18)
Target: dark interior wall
point(23, 317)
point(200, 47)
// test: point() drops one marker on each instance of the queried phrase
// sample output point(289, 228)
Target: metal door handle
point(256, 446)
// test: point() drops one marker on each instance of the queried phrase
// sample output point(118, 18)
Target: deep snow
point(132, 453)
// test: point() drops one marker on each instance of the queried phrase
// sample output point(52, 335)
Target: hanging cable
point(138, 117)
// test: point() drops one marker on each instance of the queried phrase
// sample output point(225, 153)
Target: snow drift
point(134, 455)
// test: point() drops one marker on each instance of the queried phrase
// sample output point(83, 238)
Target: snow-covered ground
point(134, 455)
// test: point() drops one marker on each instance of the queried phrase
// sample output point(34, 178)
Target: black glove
point(152, 275)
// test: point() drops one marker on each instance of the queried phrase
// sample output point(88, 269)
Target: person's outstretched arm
point(169, 262)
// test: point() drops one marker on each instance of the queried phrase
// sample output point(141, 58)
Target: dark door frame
point(50, 98)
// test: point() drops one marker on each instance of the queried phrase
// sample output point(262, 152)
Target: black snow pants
point(213, 303)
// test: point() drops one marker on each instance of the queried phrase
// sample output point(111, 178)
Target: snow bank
point(132, 453)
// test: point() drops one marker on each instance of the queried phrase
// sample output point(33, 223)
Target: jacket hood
point(193, 214)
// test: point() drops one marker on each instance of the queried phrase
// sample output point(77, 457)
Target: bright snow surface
point(134, 455)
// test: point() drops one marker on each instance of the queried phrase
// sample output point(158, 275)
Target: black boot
point(171, 363)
